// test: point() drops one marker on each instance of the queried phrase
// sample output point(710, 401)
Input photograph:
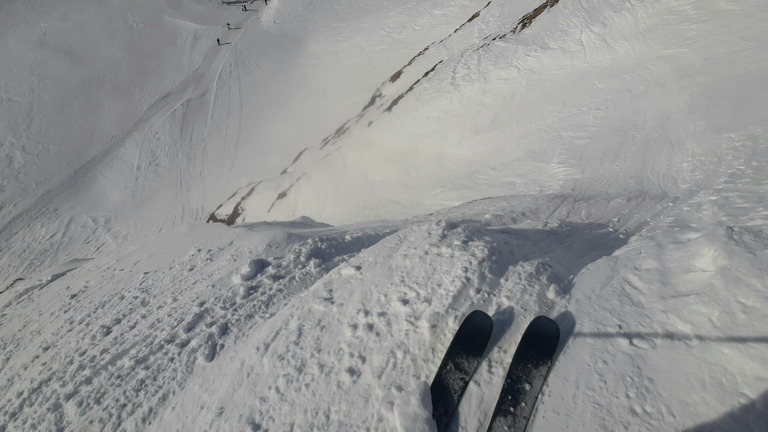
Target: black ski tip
point(473, 335)
point(480, 320)
point(545, 326)
point(526, 375)
point(458, 365)
point(541, 336)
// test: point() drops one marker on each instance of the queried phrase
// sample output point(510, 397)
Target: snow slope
point(122, 134)
point(602, 163)
point(592, 96)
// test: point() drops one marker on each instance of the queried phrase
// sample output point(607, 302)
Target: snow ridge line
point(381, 91)
point(523, 23)
point(237, 210)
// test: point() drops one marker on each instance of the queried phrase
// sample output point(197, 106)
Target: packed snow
point(382, 169)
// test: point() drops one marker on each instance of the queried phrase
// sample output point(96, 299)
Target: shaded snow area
point(382, 169)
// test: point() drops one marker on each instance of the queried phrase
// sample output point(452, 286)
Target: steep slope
point(557, 97)
point(89, 139)
point(143, 123)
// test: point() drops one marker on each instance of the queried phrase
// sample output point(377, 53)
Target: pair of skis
point(522, 385)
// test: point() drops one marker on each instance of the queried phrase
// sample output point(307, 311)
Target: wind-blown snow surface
point(622, 142)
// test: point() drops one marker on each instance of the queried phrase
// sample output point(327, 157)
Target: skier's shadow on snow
point(504, 318)
point(749, 417)
point(567, 323)
point(560, 253)
point(502, 322)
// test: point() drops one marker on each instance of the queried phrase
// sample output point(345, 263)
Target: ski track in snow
point(111, 371)
point(193, 98)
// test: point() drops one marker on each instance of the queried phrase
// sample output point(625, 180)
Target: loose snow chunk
point(349, 270)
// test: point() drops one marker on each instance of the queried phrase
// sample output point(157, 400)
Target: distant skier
point(229, 27)
point(266, 2)
point(245, 9)
point(218, 42)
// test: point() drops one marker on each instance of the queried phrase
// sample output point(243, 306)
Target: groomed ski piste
point(382, 169)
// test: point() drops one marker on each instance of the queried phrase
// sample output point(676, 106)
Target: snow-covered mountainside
point(598, 162)
point(573, 96)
